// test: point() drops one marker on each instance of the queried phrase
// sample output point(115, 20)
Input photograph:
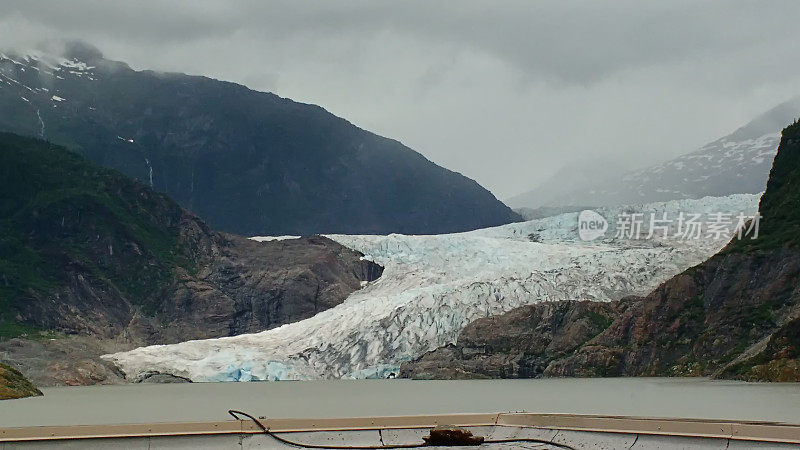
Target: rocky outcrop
point(248, 286)
point(89, 253)
point(518, 344)
point(736, 315)
point(61, 360)
point(704, 322)
point(14, 385)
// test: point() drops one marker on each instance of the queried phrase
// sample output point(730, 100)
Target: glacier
point(433, 286)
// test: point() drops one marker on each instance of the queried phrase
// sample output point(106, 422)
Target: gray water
point(652, 397)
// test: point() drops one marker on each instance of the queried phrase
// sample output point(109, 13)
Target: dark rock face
point(712, 320)
point(164, 378)
point(246, 162)
point(87, 253)
point(519, 344)
point(252, 286)
point(736, 315)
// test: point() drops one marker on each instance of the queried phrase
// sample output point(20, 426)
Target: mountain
point(85, 251)
point(572, 178)
point(246, 162)
point(736, 315)
point(434, 286)
point(734, 164)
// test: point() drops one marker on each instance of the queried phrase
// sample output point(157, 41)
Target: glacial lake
point(653, 397)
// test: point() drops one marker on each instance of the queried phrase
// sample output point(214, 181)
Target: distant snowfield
point(433, 286)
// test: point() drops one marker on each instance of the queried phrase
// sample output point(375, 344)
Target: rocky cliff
point(87, 252)
point(736, 315)
point(518, 344)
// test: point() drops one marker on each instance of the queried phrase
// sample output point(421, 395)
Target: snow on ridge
point(49, 63)
point(432, 287)
point(75, 65)
point(274, 238)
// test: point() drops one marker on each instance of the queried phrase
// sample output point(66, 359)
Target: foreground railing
point(411, 426)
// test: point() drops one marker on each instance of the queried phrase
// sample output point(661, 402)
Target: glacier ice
point(432, 287)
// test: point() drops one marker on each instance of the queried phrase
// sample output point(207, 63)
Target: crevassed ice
point(432, 287)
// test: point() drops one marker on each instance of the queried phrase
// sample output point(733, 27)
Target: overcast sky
point(505, 92)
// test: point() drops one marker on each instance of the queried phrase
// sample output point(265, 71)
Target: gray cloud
point(505, 92)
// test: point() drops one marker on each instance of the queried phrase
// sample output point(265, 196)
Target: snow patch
point(149, 168)
point(274, 238)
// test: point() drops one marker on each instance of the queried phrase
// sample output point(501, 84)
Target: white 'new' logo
point(591, 225)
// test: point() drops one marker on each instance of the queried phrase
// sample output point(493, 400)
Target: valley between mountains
point(530, 299)
point(431, 288)
point(173, 228)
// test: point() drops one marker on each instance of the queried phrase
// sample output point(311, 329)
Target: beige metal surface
point(741, 431)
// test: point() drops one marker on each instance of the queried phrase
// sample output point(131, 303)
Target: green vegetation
point(780, 204)
point(62, 217)
point(600, 322)
point(14, 385)
point(694, 310)
point(779, 361)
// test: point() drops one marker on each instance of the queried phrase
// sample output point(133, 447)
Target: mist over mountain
point(245, 161)
point(738, 163)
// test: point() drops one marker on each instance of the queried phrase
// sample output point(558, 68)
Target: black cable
point(536, 441)
point(269, 433)
point(236, 413)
